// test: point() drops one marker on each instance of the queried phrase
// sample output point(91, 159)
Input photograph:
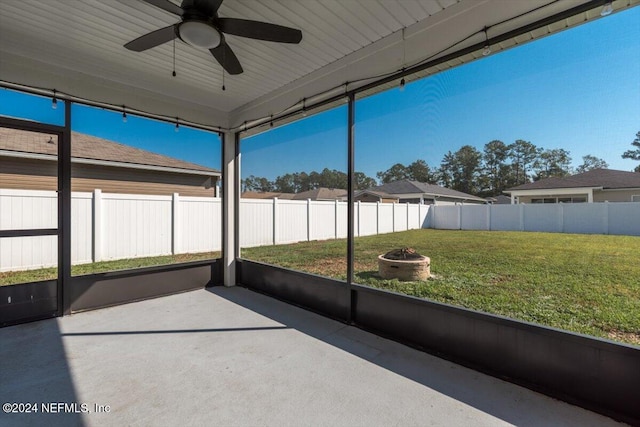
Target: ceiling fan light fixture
point(199, 34)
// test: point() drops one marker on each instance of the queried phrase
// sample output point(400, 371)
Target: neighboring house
point(322, 194)
point(317, 194)
point(499, 200)
point(408, 191)
point(375, 196)
point(28, 160)
point(597, 185)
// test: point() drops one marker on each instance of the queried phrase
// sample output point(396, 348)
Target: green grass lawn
point(13, 277)
point(582, 283)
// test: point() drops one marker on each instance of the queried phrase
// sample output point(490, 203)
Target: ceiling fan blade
point(259, 30)
point(166, 5)
point(153, 39)
point(225, 56)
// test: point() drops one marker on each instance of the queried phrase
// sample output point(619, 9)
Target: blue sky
point(578, 90)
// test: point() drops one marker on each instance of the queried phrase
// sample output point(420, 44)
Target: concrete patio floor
point(232, 357)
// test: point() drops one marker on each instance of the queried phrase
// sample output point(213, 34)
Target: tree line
point(485, 173)
point(497, 167)
point(298, 182)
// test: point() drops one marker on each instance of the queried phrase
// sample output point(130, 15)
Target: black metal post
point(64, 214)
point(223, 197)
point(350, 200)
point(236, 199)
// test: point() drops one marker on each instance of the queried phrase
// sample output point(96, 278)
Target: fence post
point(97, 225)
point(393, 217)
point(459, 217)
point(432, 208)
point(606, 217)
point(521, 212)
point(336, 218)
point(378, 217)
point(561, 217)
point(359, 218)
point(489, 206)
point(308, 220)
point(408, 217)
point(275, 220)
point(175, 223)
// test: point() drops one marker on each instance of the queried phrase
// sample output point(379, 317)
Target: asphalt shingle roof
point(322, 193)
point(406, 186)
point(605, 178)
point(90, 147)
point(266, 195)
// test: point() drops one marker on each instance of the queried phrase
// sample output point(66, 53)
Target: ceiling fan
point(201, 27)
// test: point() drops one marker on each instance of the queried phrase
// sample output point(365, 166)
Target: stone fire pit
point(404, 264)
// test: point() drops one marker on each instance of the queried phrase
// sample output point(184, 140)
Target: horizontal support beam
point(29, 233)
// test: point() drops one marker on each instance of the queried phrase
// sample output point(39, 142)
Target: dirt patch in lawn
point(630, 337)
point(332, 267)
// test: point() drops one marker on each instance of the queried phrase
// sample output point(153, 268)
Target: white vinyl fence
point(584, 218)
point(117, 226)
point(107, 227)
point(274, 221)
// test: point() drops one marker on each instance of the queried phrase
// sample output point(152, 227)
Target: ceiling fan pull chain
point(224, 64)
point(174, 58)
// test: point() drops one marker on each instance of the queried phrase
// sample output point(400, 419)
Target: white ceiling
point(76, 47)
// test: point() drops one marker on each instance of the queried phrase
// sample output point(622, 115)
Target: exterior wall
point(615, 196)
point(527, 199)
point(370, 198)
point(443, 202)
point(598, 196)
point(409, 200)
point(447, 201)
point(30, 174)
